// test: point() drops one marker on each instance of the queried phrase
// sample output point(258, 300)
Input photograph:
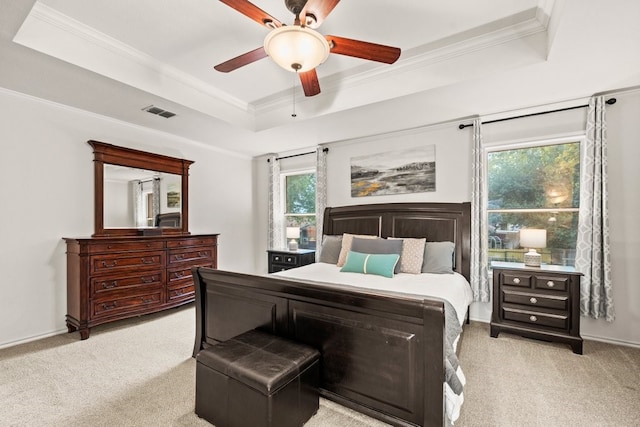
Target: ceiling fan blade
point(310, 84)
point(242, 60)
point(364, 50)
point(320, 9)
point(252, 11)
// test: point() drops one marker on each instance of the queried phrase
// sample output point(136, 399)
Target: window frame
point(496, 146)
point(283, 194)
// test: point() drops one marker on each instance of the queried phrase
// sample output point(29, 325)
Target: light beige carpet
point(139, 372)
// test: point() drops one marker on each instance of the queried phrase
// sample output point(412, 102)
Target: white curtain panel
point(321, 194)
point(479, 230)
point(592, 247)
point(276, 237)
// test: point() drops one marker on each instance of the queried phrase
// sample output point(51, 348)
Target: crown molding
point(420, 57)
point(79, 30)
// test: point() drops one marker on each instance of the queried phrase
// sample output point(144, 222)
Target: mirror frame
point(112, 154)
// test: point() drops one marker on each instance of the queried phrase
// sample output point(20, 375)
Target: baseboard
point(611, 341)
point(32, 338)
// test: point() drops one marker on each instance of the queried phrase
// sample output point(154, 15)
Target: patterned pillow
point(412, 255)
point(347, 241)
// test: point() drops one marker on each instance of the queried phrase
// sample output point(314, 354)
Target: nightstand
point(537, 302)
point(280, 260)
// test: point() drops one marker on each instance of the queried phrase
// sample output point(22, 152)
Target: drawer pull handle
point(105, 265)
point(148, 261)
point(178, 274)
point(203, 254)
point(179, 257)
point(533, 318)
point(146, 300)
point(148, 279)
point(550, 284)
point(179, 292)
point(276, 258)
point(109, 306)
point(516, 280)
point(533, 300)
point(109, 285)
point(289, 259)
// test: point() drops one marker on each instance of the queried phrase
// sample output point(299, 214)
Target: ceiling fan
point(299, 48)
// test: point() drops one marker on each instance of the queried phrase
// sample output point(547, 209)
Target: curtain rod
point(609, 101)
point(324, 150)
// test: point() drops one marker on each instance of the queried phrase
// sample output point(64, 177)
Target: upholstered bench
point(257, 379)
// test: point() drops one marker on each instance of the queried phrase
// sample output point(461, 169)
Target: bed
point(385, 353)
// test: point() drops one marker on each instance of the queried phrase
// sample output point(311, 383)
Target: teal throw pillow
point(379, 264)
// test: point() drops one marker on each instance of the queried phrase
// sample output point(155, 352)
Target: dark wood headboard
point(437, 222)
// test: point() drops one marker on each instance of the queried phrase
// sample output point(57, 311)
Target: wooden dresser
point(112, 278)
point(537, 302)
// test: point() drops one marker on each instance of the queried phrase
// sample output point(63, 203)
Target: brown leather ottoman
point(257, 379)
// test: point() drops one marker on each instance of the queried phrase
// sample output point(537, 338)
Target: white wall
point(453, 184)
point(46, 174)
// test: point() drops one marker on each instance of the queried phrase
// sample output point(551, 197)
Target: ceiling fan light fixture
point(296, 49)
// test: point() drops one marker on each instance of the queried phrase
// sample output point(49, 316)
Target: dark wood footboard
point(383, 356)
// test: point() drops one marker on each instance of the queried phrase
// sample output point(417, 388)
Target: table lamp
point(533, 238)
point(293, 233)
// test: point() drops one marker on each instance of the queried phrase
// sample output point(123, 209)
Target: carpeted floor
point(140, 372)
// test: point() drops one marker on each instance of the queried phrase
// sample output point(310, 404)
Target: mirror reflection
point(140, 198)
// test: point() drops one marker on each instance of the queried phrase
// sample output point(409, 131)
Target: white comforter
point(451, 287)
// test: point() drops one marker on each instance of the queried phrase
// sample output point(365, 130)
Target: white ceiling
point(458, 58)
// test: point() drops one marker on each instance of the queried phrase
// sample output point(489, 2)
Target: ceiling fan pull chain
point(293, 93)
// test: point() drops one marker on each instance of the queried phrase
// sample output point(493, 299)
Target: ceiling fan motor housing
point(295, 6)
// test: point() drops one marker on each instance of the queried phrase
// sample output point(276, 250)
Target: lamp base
point(532, 258)
point(293, 245)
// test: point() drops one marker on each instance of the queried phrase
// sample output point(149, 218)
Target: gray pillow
point(330, 250)
point(378, 246)
point(438, 258)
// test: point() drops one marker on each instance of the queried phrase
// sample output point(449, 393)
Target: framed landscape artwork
point(394, 172)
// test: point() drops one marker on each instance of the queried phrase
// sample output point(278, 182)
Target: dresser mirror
point(139, 193)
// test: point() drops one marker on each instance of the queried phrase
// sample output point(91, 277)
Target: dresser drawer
point(193, 241)
point(125, 246)
point(115, 262)
point(559, 321)
point(107, 284)
point(192, 255)
point(179, 275)
point(124, 304)
point(515, 279)
point(559, 302)
point(551, 283)
point(181, 293)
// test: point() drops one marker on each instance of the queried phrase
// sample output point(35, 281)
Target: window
point(537, 186)
point(300, 205)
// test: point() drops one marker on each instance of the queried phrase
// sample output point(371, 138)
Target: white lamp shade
point(293, 232)
point(533, 238)
point(296, 48)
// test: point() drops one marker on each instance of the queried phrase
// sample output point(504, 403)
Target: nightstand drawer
point(551, 283)
point(560, 302)
point(560, 321)
point(515, 279)
point(280, 260)
point(284, 259)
